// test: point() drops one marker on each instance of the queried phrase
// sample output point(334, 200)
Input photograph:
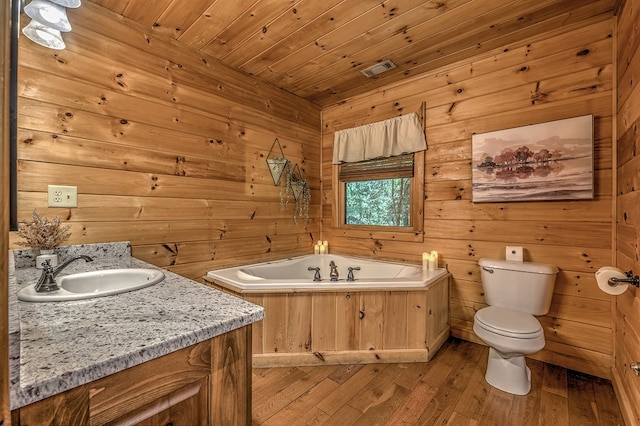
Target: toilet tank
point(523, 286)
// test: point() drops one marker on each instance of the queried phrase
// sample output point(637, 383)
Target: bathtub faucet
point(333, 274)
point(316, 276)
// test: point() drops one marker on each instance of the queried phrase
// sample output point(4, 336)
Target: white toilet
point(515, 292)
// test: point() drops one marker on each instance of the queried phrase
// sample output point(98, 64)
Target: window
point(384, 194)
point(378, 176)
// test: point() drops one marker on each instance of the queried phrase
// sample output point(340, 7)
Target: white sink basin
point(87, 285)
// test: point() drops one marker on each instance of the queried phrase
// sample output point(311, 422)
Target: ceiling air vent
point(378, 68)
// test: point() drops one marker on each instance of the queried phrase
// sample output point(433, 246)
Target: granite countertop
point(57, 346)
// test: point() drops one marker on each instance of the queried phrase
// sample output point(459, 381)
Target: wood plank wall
point(5, 24)
point(166, 146)
point(556, 74)
point(627, 317)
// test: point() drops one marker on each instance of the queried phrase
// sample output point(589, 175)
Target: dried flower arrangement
point(43, 233)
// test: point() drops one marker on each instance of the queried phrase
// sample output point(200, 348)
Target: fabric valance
point(388, 138)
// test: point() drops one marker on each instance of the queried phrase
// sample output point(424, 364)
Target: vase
point(49, 255)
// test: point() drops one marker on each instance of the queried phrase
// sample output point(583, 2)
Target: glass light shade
point(43, 35)
point(67, 3)
point(49, 14)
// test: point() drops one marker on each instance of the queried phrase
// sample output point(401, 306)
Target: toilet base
point(508, 374)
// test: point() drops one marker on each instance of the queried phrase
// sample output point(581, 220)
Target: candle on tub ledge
point(425, 263)
point(326, 246)
point(316, 249)
point(429, 262)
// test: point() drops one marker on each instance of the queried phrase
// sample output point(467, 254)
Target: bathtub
point(293, 275)
point(389, 313)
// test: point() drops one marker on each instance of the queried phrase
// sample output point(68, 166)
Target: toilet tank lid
point(537, 268)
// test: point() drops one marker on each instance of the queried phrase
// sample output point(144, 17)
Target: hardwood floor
point(450, 389)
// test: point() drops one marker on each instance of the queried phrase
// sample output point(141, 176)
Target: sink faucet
point(333, 274)
point(47, 281)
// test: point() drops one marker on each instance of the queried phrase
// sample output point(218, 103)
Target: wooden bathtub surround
point(349, 327)
point(208, 383)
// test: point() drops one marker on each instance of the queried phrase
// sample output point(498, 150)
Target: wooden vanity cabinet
point(208, 383)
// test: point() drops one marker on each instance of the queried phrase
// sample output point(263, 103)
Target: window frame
point(415, 232)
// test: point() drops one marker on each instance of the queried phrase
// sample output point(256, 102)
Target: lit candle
point(326, 247)
point(434, 254)
point(425, 262)
point(322, 249)
point(316, 249)
point(432, 262)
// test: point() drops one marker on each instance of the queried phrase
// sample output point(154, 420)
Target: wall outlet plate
point(62, 196)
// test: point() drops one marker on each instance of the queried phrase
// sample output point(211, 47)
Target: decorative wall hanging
point(277, 162)
point(547, 161)
point(301, 194)
point(294, 185)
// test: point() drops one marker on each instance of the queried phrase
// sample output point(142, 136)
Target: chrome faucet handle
point(316, 276)
point(350, 276)
point(47, 281)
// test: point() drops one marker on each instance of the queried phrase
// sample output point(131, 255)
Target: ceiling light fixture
point(43, 35)
point(50, 14)
point(49, 18)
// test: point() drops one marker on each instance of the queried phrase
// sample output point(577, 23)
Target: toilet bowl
point(510, 336)
point(515, 292)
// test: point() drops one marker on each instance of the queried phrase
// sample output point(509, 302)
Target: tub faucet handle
point(316, 276)
point(350, 276)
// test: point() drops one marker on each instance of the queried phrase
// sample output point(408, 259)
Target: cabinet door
point(138, 393)
point(187, 406)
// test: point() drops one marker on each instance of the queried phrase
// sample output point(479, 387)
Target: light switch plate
point(62, 196)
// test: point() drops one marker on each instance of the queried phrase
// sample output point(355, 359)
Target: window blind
point(399, 166)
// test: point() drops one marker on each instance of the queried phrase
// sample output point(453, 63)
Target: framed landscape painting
point(547, 161)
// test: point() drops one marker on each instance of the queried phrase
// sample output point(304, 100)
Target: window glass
point(381, 202)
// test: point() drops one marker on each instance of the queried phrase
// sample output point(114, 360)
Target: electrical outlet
point(62, 196)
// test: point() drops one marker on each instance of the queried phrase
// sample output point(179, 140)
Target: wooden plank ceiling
point(316, 48)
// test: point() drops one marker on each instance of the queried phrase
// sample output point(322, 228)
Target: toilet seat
point(508, 323)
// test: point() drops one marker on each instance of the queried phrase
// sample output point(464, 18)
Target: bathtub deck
point(449, 389)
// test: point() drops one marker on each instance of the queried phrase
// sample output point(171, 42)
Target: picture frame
point(538, 162)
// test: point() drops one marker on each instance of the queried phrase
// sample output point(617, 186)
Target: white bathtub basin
point(293, 275)
point(87, 285)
